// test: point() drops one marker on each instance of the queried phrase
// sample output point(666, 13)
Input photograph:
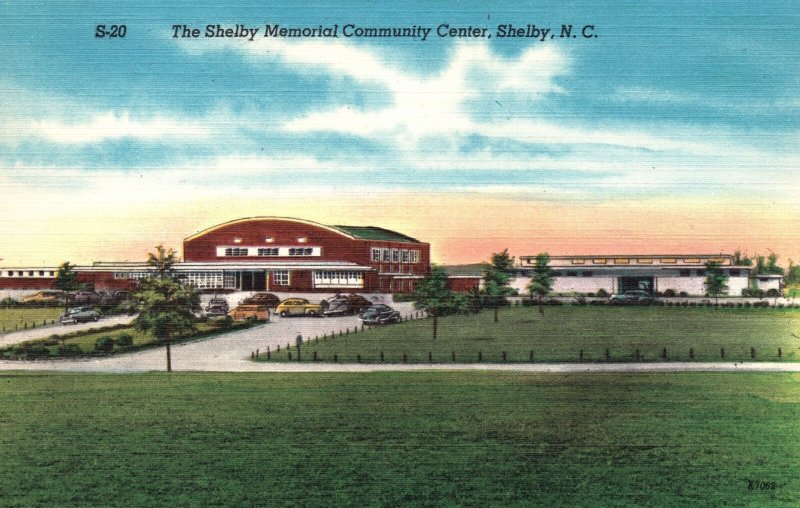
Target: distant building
point(656, 274)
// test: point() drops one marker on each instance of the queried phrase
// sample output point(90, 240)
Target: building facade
point(270, 254)
point(656, 274)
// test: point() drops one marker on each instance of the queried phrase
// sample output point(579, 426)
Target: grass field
point(562, 332)
point(17, 316)
point(423, 438)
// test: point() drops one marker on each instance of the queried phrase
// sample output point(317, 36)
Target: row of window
point(132, 275)
point(681, 273)
point(326, 278)
point(640, 261)
point(394, 255)
point(268, 251)
point(30, 273)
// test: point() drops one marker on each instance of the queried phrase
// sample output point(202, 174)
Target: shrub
point(8, 302)
point(553, 301)
point(104, 343)
point(669, 293)
point(37, 351)
point(602, 293)
point(748, 304)
point(772, 293)
point(761, 304)
point(590, 294)
point(580, 300)
point(124, 340)
point(70, 350)
point(683, 294)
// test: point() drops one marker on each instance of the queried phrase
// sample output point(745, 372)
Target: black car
point(218, 302)
point(632, 297)
point(268, 299)
point(341, 305)
point(379, 315)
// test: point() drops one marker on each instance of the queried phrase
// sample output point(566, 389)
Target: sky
point(672, 128)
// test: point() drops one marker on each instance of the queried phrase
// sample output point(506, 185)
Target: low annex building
point(656, 274)
point(270, 254)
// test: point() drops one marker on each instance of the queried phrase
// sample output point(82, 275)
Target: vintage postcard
point(412, 253)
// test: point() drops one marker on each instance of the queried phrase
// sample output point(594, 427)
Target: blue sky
point(673, 104)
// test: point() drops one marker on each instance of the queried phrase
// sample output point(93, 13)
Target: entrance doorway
point(254, 281)
point(636, 283)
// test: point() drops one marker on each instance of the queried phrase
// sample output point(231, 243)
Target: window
point(300, 251)
point(30, 273)
point(204, 280)
point(269, 239)
point(236, 251)
point(669, 261)
point(52, 274)
point(684, 273)
point(269, 251)
point(691, 261)
point(238, 239)
point(701, 273)
point(404, 256)
point(41, 273)
point(587, 273)
point(572, 274)
point(735, 273)
point(415, 256)
point(395, 256)
point(302, 239)
point(280, 277)
point(10, 273)
point(20, 273)
point(599, 261)
point(376, 255)
point(385, 256)
point(645, 261)
point(577, 261)
point(622, 261)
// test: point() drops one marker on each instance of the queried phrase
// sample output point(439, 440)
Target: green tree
point(166, 307)
point(67, 281)
point(496, 279)
point(716, 280)
point(433, 297)
point(740, 259)
point(542, 281)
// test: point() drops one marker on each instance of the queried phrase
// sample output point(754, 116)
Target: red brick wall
point(463, 284)
point(26, 282)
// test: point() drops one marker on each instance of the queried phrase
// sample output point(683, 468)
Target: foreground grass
point(562, 332)
point(424, 438)
point(15, 317)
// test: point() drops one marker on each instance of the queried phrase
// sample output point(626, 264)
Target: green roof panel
point(373, 233)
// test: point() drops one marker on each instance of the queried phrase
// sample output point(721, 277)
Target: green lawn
point(562, 332)
point(416, 439)
point(17, 316)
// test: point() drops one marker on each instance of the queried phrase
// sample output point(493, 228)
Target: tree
point(436, 300)
point(716, 280)
point(542, 281)
point(496, 279)
point(740, 259)
point(67, 281)
point(166, 307)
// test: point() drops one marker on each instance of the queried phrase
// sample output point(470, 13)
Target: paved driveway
point(10, 338)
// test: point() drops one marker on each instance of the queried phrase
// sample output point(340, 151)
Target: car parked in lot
point(215, 312)
point(341, 305)
point(247, 312)
point(380, 315)
point(50, 296)
point(79, 315)
point(218, 302)
point(267, 299)
point(298, 307)
point(631, 297)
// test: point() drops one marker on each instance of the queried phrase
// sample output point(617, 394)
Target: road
point(10, 338)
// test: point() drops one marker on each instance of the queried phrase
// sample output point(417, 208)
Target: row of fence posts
point(503, 355)
point(25, 325)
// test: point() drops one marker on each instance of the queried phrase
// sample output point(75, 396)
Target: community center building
point(269, 254)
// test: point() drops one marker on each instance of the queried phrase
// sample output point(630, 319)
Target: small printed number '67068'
point(113, 32)
point(760, 485)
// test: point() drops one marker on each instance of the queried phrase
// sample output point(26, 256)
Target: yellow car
point(51, 296)
point(250, 312)
point(298, 307)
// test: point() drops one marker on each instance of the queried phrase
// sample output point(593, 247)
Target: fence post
point(269, 355)
point(608, 354)
point(580, 355)
point(453, 354)
point(279, 348)
point(252, 355)
point(664, 354)
point(779, 352)
point(722, 352)
point(362, 327)
point(637, 355)
point(752, 352)
point(335, 358)
point(315, 356)
point(531, 355)
point(405, 358)
point(257, 352)
point(381, 356)
point(290, 356)
point(691, 352)
point(480, 356)
point(504, 356)
point(358, 358)
point(430, 357)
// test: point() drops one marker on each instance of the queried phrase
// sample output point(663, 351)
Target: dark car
point(218, 302)
point(85, 297)
point(380, 315)
point(79, 315)
point(267, 299)
point(632, 297)
point(341, 305)
point(216, 312)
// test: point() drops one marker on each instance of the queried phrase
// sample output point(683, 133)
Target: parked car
point(79, 315)
point(50, 296)
point(341, 305)
point(298, 307)
point(245, 312)
point(267, 299)
point(380, 315)
point(84, 297)
point(216, 311)
point(218, 302)
point(632, 297)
